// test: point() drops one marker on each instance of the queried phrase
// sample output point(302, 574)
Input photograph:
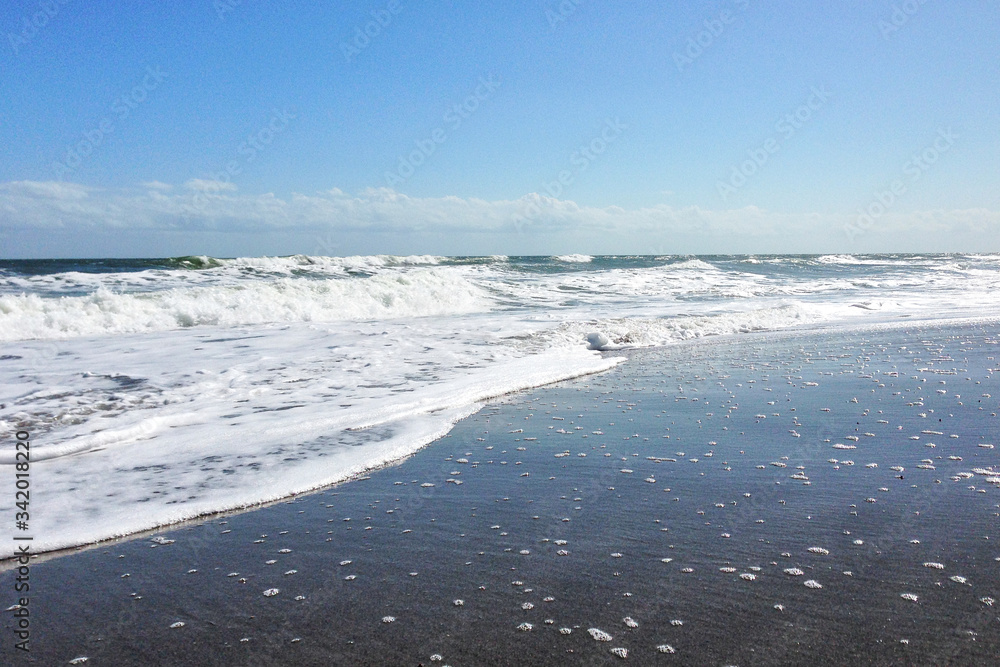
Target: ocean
point(160, 390)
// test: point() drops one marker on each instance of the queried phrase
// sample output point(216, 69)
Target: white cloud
point(45, 190)
point(216, 206)
point(157, 185)
point(206, 185)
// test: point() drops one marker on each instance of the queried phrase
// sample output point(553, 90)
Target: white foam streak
point(297, 408)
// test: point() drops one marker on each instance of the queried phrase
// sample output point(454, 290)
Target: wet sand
point(773, 499)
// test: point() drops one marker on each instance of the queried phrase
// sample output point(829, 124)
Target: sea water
point(160, 390)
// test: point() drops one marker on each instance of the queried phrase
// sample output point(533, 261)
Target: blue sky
point(242, 127)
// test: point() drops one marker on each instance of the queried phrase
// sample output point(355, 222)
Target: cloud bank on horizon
point(533, 223)
point(535, 127)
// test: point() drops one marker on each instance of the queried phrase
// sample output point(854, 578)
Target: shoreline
point(837, 327)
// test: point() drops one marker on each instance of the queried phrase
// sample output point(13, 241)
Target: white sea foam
point(837, 259)
point(413, 294)
point(250, 415)
point(303, 288)
point(600, 635)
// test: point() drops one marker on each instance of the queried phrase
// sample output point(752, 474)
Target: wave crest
point(417, 293)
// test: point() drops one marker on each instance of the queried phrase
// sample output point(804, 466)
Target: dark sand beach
point(762, 499)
